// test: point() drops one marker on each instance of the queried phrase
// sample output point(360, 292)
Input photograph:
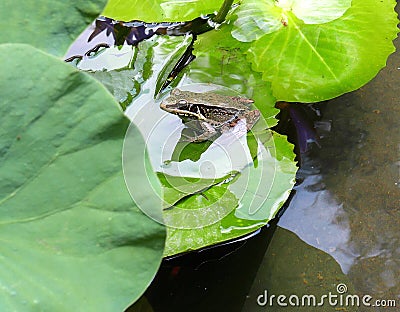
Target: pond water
point(342, 225)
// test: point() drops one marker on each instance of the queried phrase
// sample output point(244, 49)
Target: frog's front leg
point(208, 131)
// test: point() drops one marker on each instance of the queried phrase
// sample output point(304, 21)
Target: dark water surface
point(342, 225)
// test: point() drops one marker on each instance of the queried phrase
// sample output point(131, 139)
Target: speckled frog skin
point(216, 113)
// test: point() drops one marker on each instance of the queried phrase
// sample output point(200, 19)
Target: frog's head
point(174, 97)
point(177, 103)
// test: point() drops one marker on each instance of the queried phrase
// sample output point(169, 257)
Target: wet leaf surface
point(308, 62)
point(48, 25)
point(257, 18)
point(160, 10)
point(71, 235)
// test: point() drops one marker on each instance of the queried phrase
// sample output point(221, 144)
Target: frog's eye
point(182, 102)
point(176, 92)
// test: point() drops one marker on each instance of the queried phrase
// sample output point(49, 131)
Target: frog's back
point(212, 99)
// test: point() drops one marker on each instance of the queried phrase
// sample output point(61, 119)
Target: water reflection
point(348, 204)
point(317, 217)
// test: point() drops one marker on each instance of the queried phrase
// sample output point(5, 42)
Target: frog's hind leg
point(208, 132)
point(243, 101)
point(251, 118)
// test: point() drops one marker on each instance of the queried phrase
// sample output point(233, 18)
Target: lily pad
point(160, 10)
point(48, 25)
point(309, 60)
point(257, 18)
point(238, 206)
point(71, 235)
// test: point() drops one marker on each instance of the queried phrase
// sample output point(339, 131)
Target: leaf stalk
point(223, 11)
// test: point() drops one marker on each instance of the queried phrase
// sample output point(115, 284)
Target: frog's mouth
point(188, 110)
point(190, 114)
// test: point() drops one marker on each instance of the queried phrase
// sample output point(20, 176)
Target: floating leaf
point(259, 17)
point(274, 174)
point(236, 207)
point(315, 11)
point(70, 234)
point(160, 10)
point(48, 25)
point(315, 62)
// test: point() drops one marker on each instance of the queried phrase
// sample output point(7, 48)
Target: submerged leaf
point(70, 233)
point(200, 210)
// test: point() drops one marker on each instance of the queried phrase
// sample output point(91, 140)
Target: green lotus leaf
point(48, 25)
point(71, 236)
point(266, 189)
point(315, 11)
point(315, 62)
point(160, 10)
point(259, 17)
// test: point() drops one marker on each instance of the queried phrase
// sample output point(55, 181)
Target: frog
point(215, 113)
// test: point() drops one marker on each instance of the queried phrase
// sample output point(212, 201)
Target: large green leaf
point(48, 25)
point(71, 237)
point(257, 18)
point(309, 59)
point(160, 10)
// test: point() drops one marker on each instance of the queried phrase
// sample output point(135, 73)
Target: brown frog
point(215, 113)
